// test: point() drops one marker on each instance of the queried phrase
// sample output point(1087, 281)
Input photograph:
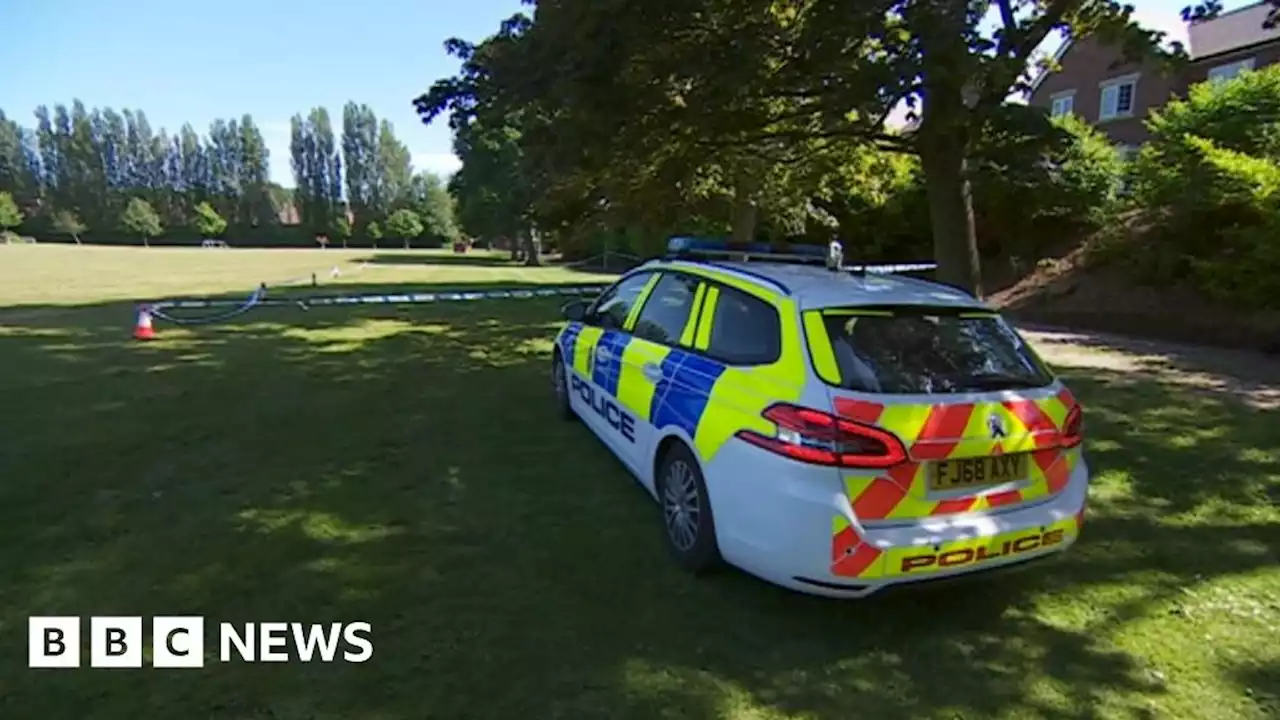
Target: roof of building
point(1233, 30)
point(816, 286)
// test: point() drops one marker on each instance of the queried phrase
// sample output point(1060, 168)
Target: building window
point(1127, 152)
point(1223, 73)
point(1118, 97)
point(1062, 103)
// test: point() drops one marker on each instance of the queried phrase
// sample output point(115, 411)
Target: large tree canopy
point(662, 112)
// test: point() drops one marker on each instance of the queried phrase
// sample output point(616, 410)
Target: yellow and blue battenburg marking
point(678, 399)
point(606, 373)
point(682, 394)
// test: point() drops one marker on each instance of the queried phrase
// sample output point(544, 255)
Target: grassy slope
point(1066, 291)
point(400, 465)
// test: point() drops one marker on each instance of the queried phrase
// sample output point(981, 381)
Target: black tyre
point(560, 387)
point(688, 525)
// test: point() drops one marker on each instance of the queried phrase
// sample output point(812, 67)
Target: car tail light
point(819, 438)
point(1073, 429)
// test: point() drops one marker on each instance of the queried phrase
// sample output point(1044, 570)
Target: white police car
point(833, 430)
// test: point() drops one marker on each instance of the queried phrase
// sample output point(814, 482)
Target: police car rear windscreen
point(923, 350)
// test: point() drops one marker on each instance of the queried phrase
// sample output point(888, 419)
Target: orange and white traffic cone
point(143, 330)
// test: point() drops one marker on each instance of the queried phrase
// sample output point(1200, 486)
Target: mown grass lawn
point(402, 466)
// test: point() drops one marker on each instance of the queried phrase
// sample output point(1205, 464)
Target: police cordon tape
point(144, 331)
point(258, 298)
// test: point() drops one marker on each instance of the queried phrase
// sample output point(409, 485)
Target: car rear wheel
point(688, 525)
point(560, 386)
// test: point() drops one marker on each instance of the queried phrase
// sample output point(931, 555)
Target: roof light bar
point(832, 256)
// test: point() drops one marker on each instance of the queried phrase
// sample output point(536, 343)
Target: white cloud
point(440, 163)
point(1163, 17)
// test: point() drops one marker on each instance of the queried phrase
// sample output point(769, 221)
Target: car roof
point(813, 286)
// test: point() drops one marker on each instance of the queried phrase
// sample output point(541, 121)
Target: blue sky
point(193, 63)
point(271, 58)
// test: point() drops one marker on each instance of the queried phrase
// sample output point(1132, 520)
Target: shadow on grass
point(611, 265)
point(484, 258)
point(402, 466)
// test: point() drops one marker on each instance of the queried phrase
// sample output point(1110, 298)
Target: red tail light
point(818, 438)
point(1073, 429)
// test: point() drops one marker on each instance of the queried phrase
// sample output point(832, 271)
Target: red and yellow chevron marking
point(850, 556)
point(948, 431)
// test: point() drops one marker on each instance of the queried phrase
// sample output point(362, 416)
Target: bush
point(1212, 175)
point(8, 237)
point(1037, 186)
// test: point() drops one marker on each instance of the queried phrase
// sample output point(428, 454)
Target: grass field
point(402, 466)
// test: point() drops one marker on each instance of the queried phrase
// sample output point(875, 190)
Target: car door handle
point(653, 372)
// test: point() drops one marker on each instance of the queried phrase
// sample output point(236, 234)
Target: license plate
point(977, 472)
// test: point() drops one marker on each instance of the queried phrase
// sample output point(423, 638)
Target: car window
point(611, 309)
point(930, 350)
point(667, 309)
point(745, 330)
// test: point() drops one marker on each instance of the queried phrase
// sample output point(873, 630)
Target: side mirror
point(575, 310)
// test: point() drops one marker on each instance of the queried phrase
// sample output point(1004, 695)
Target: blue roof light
point(831, 255)
point(686, 244)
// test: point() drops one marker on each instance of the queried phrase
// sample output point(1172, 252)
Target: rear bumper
point(793, 526)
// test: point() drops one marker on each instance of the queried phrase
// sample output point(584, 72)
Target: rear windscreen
point(911, 350)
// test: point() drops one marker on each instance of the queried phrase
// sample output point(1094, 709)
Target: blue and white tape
point(400, 298)
point(890, 269)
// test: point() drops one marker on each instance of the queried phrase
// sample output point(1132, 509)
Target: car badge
point(995, 424)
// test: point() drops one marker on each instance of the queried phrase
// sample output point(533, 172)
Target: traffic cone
point(143, 330)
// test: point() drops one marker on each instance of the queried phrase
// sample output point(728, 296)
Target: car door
point(596, 361)
point(661, 330)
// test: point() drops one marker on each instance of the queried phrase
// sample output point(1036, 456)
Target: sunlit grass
point(67, 274)
point(405, 468)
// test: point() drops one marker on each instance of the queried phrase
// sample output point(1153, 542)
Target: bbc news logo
point(178, 642)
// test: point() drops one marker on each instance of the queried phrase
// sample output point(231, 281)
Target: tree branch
point(1010, 26)
point(1039, 30)
point(885, 141)
point(1015, 55)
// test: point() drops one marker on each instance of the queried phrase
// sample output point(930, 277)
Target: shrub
point(1037, 186)
point(1211, 173)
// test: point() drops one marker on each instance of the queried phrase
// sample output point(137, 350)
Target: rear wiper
point(1001, 381)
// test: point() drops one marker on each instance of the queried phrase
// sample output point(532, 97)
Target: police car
point(835, 430)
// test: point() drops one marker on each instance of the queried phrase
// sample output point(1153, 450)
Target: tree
point(620, 104)
point(430, 199)
point(317, 170)
point(139, 218)
point(404, 224)
point(342, 229)
point(68, 223)
point(374, 231)
point(10, 215)
point(209, 222)
point(393, 172)
point(360, 154)
point(499, 183)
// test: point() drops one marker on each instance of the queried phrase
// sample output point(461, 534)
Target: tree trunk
point(146, 242)
point(531, 248)
point(943, 142)
point(745, 210)
point(955, 239)
point(76, 237)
